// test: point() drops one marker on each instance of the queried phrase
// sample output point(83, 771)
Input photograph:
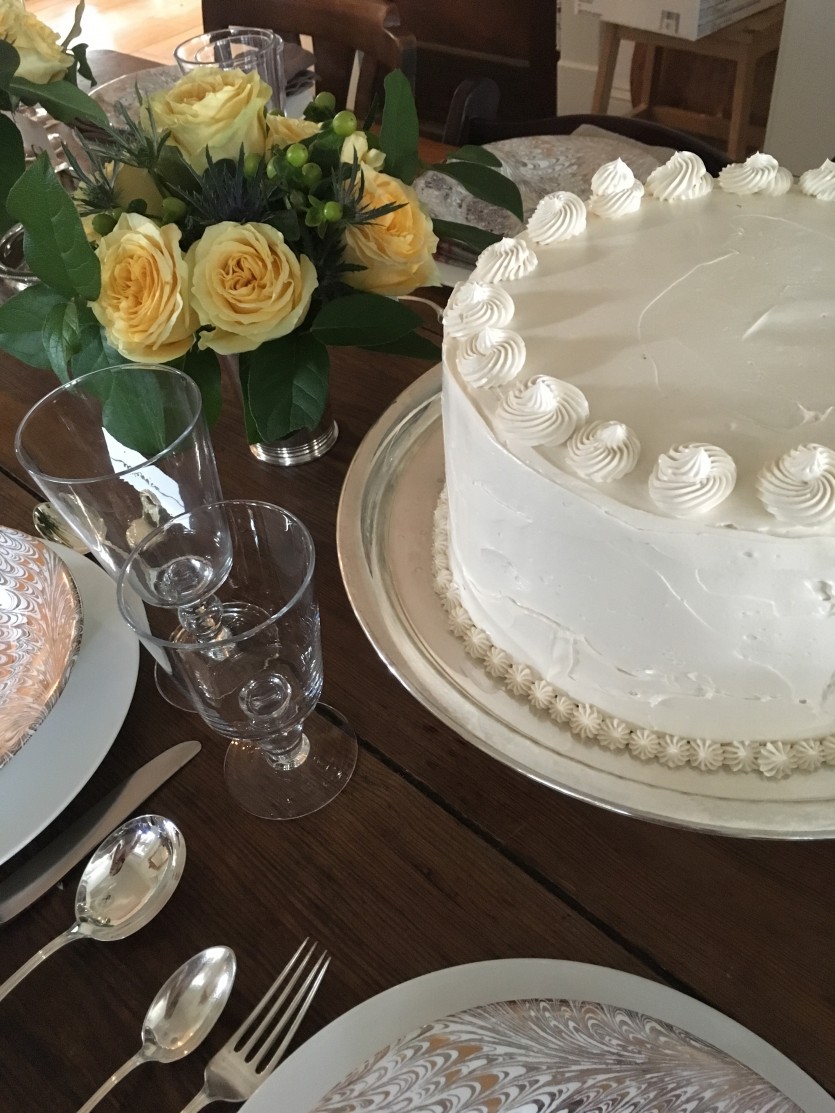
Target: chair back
point(470, 122)
point(355, 42)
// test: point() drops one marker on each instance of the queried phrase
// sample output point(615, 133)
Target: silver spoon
point(124, 885)
point(181, 1015)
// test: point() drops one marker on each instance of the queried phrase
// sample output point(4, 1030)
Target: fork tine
point(301, 1001)
point(246, 1037)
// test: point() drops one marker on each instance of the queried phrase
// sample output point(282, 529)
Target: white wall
point(801, 122)
point(577, 67)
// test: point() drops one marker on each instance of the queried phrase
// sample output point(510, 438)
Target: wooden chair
point(465, 126)
point(343, 31)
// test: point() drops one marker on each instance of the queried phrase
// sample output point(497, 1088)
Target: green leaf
point(475, 238)
point(399, 129)
point(75, 30)
point(472, 154)
point(12, 165)
point(93, 350)
point(486, 184)
point(54, 243)
point(288, 385)
point(134, 413)
point(63, 100)
point(251, 429)
point(9, 61)
point(366, 320)
point(412, 344)
point(202, 365)
point(21, 324)
point(61, 337)
point(79, 51)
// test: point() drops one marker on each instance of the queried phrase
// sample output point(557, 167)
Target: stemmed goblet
point(225, 591)
point(118, 451)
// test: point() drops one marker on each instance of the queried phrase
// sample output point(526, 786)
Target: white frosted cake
point(638, 529)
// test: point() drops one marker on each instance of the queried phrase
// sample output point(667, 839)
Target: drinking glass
point(225, 591)
point(240, 48)
point(117, 452)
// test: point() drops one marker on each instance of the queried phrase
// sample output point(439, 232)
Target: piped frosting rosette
point(799, 487)
point(603, 450)
point(682, 178)
point(473, 306)
point(615, 191)
point(491, 357)
point(505, 260)
point(691, 479)
point(820, 183)
point(542, 411)
point(758, 174)
point(559, 216)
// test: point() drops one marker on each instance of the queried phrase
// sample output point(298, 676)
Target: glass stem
point(287, 750)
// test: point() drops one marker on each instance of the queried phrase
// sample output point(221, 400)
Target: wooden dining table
point(434, 855)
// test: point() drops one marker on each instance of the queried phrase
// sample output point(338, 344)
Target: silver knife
point(48, 866)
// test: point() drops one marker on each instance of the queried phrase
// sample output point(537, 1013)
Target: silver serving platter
point(384, 537)
point(40, 633)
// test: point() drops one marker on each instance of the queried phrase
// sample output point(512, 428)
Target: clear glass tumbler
point(118, 452)
point(226, 593)
point(240, 48)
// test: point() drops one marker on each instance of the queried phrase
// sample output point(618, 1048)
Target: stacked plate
point(68, 666)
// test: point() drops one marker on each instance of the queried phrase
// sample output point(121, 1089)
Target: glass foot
point(315, 776)
point(171, 691)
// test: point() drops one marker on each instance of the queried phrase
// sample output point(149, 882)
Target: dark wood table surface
point(434, 855)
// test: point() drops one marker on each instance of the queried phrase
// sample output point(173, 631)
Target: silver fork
point(236, 1071)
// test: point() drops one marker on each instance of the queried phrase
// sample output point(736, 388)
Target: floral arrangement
point(36, 69)
point(208, 226)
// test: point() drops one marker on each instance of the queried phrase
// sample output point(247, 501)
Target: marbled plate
point(40, 633)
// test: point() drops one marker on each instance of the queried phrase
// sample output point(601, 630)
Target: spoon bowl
point(129, 878)
point(181, 1015)
point(186, 1008)
point(127, 881)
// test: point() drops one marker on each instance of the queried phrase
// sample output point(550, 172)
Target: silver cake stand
point(384, 538)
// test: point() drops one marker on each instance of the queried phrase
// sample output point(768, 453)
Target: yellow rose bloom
point(396, 249)
point(248, 286)
point(357, 144)
point(41, 58)
point(284, 130)
point(209, 107)
point(143, 304)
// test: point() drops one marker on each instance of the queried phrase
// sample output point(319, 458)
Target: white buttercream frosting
point(615, 191)
point(473, 306)
point(800, 486)
point(589, 723)
point(508, 259)
point(758, 174)
point(820, 183)
point(559, 216)
point(692, 478)
point(491, 357)
point(603, 450)
point(682, 178)
point(541, 411)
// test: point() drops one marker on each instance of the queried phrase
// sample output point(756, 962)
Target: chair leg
point(645, 96)
point(741, 106)
point(609, 46)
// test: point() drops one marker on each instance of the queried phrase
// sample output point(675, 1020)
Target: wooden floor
point(149, 28)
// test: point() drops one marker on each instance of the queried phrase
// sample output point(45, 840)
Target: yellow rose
point(209, 107)
point(248, 286)
point(41, 58)
point(284, 130)
point(357, 144)
point(133, 183)
point(396, 249)
point(143, 304)
point(11, 17)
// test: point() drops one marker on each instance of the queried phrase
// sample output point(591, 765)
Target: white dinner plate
point(339, 1051)
point(67, 748)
